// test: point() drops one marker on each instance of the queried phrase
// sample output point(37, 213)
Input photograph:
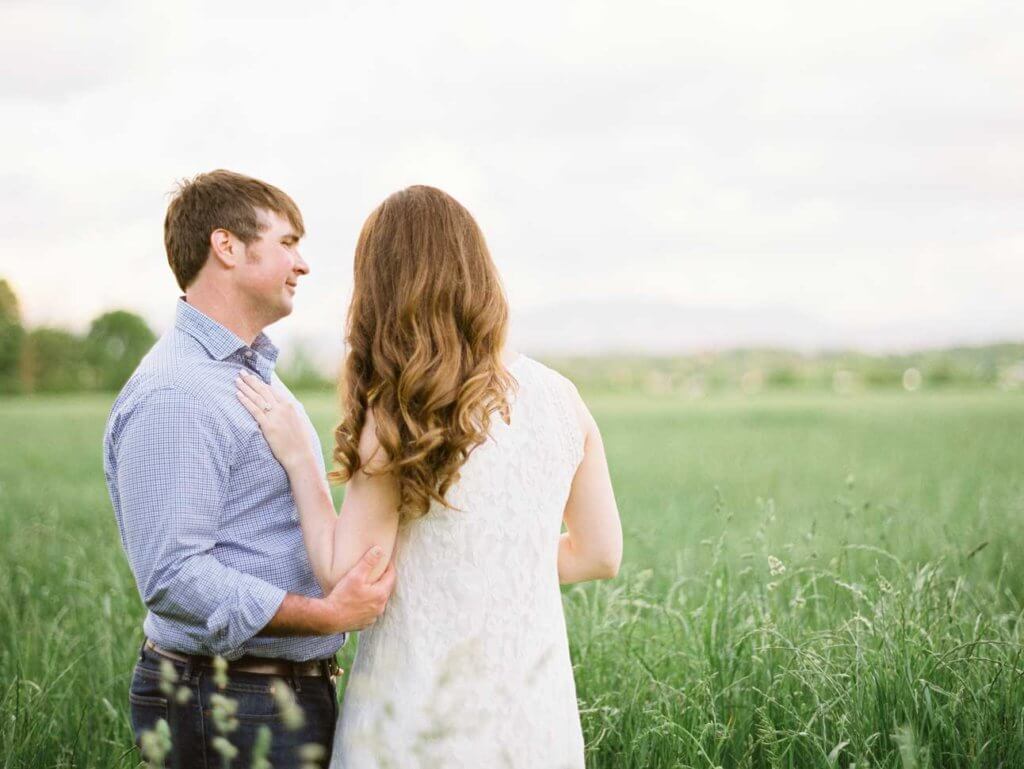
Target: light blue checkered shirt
point(205, 511)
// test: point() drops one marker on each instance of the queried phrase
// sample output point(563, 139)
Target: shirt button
point(249, 354)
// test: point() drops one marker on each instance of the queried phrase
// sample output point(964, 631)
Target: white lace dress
point(469, 665)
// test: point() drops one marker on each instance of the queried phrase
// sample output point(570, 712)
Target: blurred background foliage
point(48, 360)
point(53, 360)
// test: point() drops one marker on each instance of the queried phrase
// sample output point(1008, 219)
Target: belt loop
point(332, 670)
point(186, 676)
point(295, 677)
point(142, 649)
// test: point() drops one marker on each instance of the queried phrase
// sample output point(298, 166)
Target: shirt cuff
point(256, 604)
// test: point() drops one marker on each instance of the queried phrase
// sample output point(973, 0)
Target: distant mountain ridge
point(593, 327)
point(667, 328)
point(662, 328)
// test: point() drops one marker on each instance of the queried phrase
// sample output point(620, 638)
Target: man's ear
point(225, 248)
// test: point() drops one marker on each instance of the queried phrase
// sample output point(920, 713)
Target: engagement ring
point(267, 407)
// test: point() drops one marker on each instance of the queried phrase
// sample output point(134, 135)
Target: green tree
point(782, 375)
point(53, 360)
point(114, 346)
point(300, 371)
point(12, 337)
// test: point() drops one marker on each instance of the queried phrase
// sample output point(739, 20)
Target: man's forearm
point(299, 615)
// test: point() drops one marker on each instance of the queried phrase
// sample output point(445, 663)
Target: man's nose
point(300, 265)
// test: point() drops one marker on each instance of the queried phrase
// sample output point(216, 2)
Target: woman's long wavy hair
point(425, 333)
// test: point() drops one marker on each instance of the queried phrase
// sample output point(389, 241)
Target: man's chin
point(278, 311)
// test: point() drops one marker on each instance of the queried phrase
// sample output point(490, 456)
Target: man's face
point(271, 270)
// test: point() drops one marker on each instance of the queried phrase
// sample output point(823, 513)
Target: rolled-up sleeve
point(173, 461)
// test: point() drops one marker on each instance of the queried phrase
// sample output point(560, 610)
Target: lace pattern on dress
point(469, 665)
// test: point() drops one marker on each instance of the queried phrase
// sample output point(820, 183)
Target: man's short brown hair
point(218, 200)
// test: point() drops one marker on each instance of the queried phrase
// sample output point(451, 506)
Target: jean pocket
point(146, 711)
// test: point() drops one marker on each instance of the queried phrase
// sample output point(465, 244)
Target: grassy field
point(809, 581)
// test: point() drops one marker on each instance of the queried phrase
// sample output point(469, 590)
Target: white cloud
point(855, 162)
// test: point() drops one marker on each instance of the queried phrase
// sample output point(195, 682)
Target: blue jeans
point(192, 726)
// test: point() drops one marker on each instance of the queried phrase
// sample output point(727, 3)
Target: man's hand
point(355, 602)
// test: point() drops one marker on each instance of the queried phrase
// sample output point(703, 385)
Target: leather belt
point(260, 665)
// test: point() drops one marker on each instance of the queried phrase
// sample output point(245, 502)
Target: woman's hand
point(279, 419)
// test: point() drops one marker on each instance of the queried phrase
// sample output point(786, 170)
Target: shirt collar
point(221, 343)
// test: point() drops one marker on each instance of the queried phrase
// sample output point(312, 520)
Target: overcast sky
point(857, 164)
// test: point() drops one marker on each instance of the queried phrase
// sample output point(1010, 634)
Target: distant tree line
point(50, 360)
point(845, 372)
point(42, 360)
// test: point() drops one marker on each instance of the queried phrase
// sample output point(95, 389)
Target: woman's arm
point(591, 548)
point(316, 514)
point(369, 513)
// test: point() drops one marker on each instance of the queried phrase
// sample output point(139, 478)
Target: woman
point(463, 459)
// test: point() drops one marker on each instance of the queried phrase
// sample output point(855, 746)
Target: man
point(205, 512)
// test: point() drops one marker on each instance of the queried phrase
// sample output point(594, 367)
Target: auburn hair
point(218, 200)
point(424, 334)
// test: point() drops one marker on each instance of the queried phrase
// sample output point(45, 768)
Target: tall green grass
point(809, 581)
